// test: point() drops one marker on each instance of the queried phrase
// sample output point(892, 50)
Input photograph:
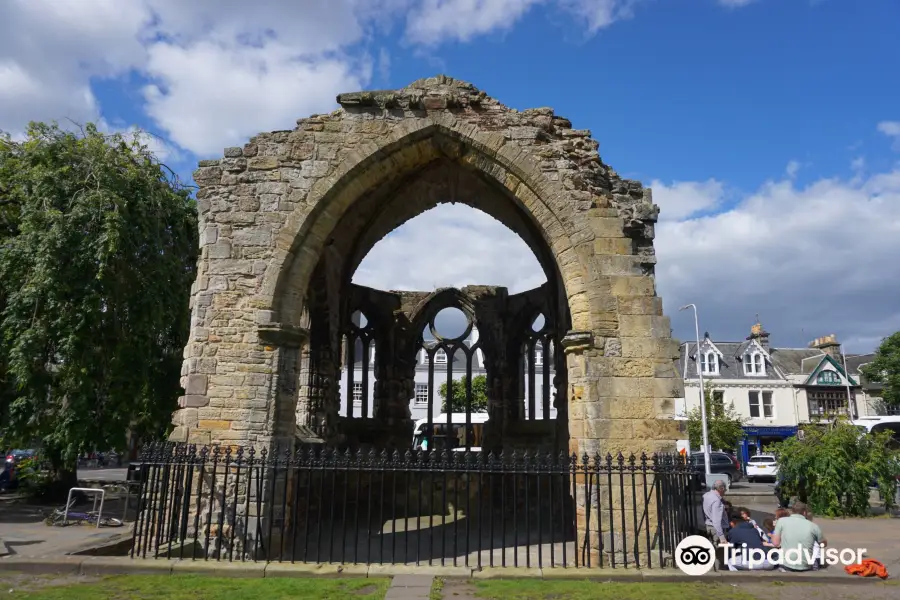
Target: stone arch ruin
point(286, 220)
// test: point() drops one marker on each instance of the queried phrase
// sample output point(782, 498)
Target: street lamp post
point(702, 393)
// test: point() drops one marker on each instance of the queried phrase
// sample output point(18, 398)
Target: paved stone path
point(410, 587)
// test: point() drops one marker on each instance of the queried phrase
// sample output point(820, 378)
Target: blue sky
point(768, 129)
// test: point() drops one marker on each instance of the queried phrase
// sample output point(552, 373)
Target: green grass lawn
point(511, 589)
point(198, 587)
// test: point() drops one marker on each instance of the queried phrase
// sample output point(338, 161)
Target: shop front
point(757, 439)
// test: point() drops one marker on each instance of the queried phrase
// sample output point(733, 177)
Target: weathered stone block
point(607, 227)
point(220, 249)
point(612, 245)
point(193, 401)
point(262, 163)
point(211, 425)
point(632, 285)
point(196, 385)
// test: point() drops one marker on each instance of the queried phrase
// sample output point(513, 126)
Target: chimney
point(760, 335)
point(829, 345)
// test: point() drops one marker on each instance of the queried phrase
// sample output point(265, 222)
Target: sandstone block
point(261, 236)
point(633, 367)
point(196, 385)
point(212, 425)
point(193, 401)
point(262, 163)
point(607, 227)
point(655, 429)
point(220, 249)
point(612, 245)
point(630, 286)
point(639, 305)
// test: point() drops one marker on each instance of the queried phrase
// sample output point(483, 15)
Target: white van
point(450, 432)
point(879, 424)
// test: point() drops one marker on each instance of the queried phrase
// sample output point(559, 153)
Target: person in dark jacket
point(747, 546)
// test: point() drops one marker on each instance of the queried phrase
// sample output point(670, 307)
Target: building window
point(754, 364)
point(440, 357)
point(421, 394)
point(357, 393)
point(828, 378)
point(765, 409)
point(718, 403)
point(709, 363)
point(826, 405)
point(754, 404)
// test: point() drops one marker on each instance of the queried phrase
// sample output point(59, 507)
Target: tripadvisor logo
point(695, 555)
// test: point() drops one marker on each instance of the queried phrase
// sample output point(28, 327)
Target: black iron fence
point(439, 508)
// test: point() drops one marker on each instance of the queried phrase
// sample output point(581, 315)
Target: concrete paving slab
point(432, 570)
point(219, 569)
point(508, 573)
point(412, 581)
point(311, 570)
point(58, 565)
point(110, 565)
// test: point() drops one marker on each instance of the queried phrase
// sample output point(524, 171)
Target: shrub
point(833, 467)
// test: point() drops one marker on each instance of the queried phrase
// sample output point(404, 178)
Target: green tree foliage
point(724, 424)
point(885, 369)
point(98, 250)
point(833, 467)
point(458, 402)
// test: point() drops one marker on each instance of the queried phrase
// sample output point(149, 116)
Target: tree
point(724, 424)
point(833, 466)
point(458, 402)
point(885, 369)
point(98, 252)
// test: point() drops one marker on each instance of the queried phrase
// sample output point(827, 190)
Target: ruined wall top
point(534, 126)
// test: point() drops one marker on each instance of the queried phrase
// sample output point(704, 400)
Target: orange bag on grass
point(867, 568)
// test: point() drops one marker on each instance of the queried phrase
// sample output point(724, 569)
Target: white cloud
point(451, 245)
point(600, 13)
point(683, 199)
point(792, 168)
point(208, 96)
point(735, 3)
point(50, 49)
point(437, 20)
point(892, 130)
point(803, 257)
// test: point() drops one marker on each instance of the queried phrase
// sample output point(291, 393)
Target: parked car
point(721, 463)
point(762, 466)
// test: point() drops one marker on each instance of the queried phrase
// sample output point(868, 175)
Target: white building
point(775, 389)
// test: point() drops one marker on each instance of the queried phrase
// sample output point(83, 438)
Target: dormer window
point(709, 363)
point(440, 357)
point(828, 378)
point(754, 364)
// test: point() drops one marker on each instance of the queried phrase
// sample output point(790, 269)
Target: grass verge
point(198, 587)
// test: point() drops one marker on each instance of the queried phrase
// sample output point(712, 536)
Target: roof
point(819, 367)
point(787, 361)
point(730, 364)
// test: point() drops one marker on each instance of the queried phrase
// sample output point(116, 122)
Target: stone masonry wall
point(269, 210)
